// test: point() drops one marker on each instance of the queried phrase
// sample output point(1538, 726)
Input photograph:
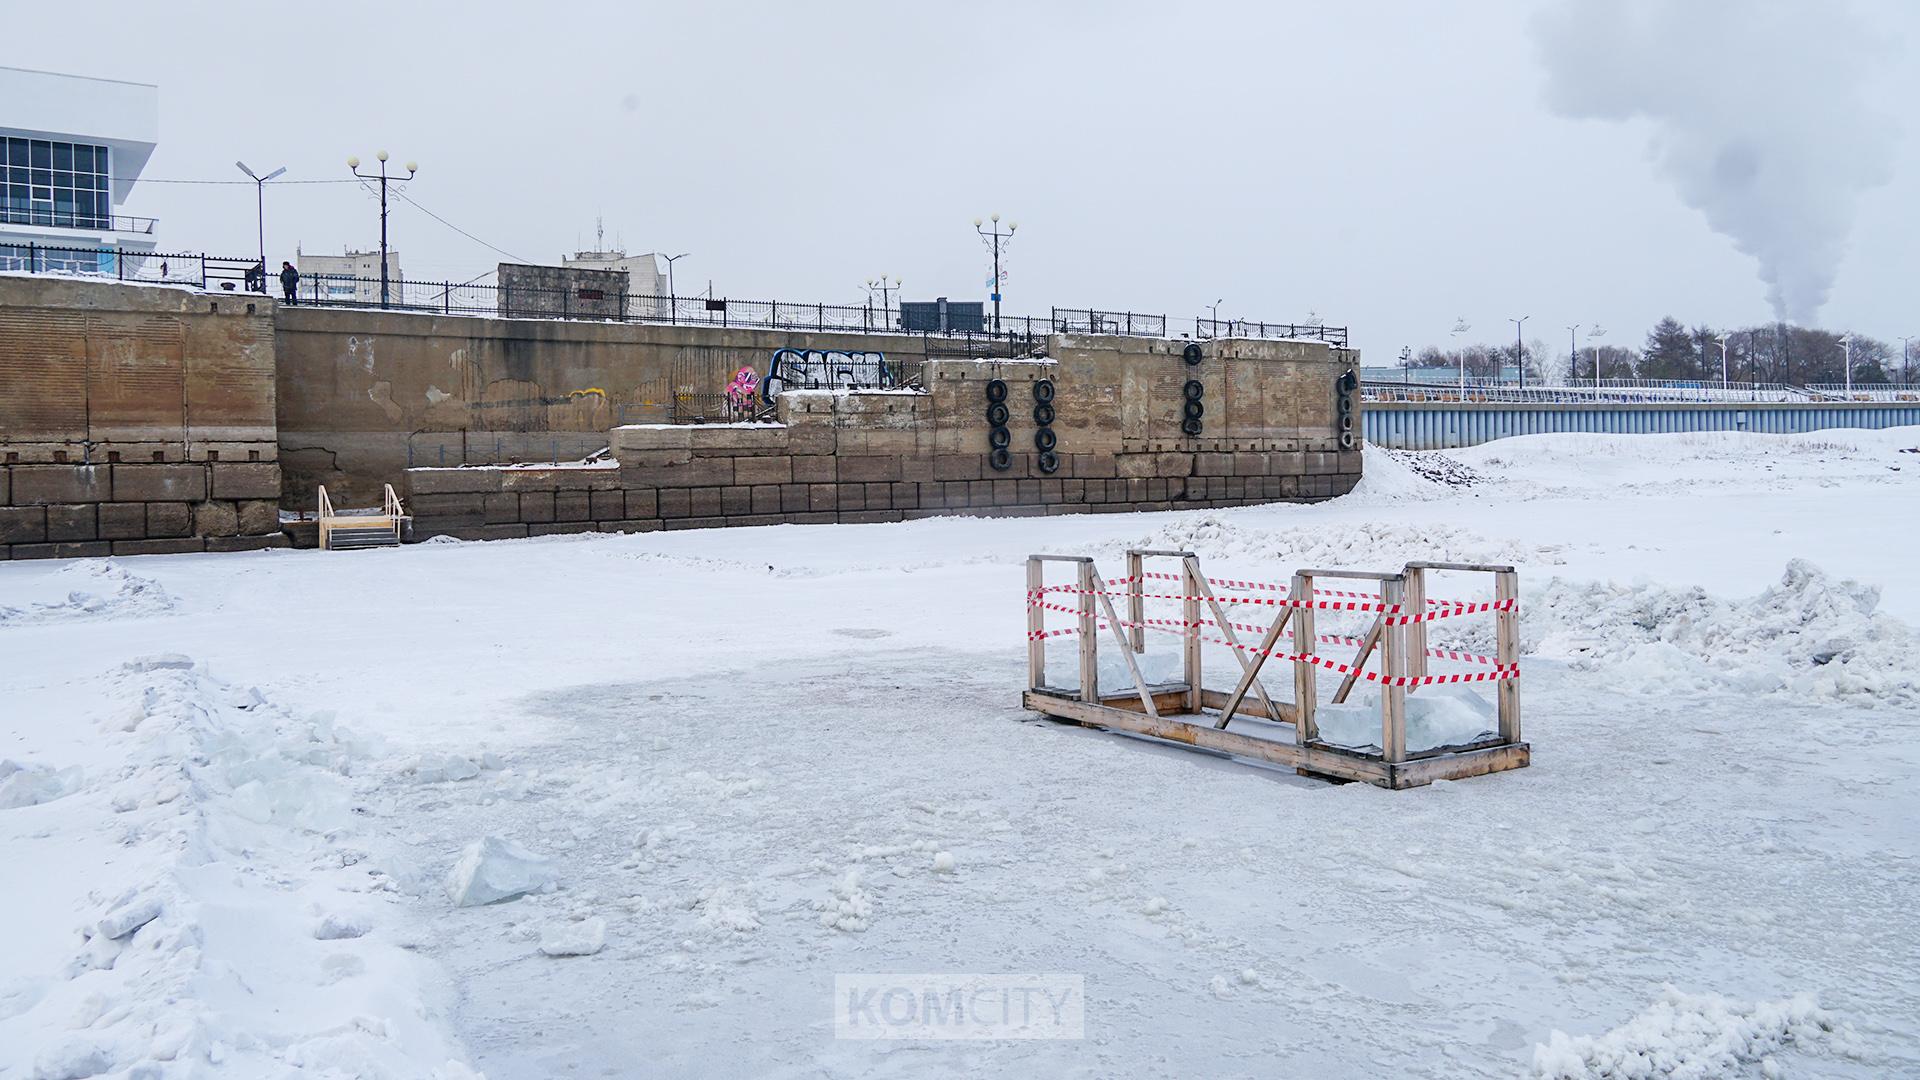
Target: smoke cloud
point(1759, 118)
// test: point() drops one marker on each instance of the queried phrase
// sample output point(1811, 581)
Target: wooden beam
point(1506, 651)
point(1202, 588)
point(1036, 625)
point(1089, 637)
point(1217, 699)
point(1305, 689)
point(1416, 635)
point(1190, 613)
point(1367, 644)
point(1393, 653)
point(1136, 606)
point(1126, 650)
point(1252, 672)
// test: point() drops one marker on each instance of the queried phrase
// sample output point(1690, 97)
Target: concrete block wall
point(50, 510)
point(893, 456)
point(135, 420)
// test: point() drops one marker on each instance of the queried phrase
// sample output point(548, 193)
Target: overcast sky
point(1389, 166)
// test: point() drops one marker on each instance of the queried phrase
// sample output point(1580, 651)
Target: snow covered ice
point(691, 791)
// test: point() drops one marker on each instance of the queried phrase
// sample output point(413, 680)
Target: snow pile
point(1694, 1037)
point(1389, 476)
point(1364, 545)
point(1809, 634)
point(31, 785)
point(95, 588)
point(227, 825)
point(492, 869)
point(1436, 716)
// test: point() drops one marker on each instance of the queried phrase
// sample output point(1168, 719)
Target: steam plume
point(1758, 114)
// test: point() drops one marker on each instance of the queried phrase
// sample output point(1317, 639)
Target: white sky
point(1389, 165)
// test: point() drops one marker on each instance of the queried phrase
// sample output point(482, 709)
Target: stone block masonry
point(878, 456)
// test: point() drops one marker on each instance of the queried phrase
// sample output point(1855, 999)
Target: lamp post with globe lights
point(353, 166)
point(996, 240)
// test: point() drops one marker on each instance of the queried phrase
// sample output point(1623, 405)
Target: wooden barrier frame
point(1186, 712)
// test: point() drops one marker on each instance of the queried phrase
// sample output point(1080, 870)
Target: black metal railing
point(587, 304)
point(49, 217)
point(1125, 323)
point(1249, 328)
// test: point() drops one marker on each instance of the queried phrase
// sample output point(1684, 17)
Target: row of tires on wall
point(1000, 440)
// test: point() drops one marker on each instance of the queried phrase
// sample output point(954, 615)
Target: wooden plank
point(1089, 637)
point(1393, 653)
point(1217, 700)
point(1416, 635)
point(1317, 760)
point(1489, 568)
point(1126, 650)
point(1170, 699)
point(1036, 625)
point(1460, 765)
point(1353, 575)
point(1136, 606)
point(1367, 645)
point(1506, 650)
point(1199, 586)
point(1190, 643)
point(1305, 688)
point(1252, 672)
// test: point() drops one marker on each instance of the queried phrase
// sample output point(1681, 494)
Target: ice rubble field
point(240, 796)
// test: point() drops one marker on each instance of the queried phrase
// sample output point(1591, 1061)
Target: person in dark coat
point(289, 280)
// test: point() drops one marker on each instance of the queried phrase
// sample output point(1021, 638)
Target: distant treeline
point(1775, 352)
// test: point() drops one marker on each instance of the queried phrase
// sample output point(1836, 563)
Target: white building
point(644, 278)
point(71, 148)
point(350, 278)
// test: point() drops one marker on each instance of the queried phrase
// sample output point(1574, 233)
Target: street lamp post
point(1215, 320)
point(671, 259)
point(996, 240)
point(1573, 352)
point(260, 212)
point(1460, 327)
point(1592, 335)
point(1903, 359)
point(1520, 349)
point(353, 166)
point(1846, 347)
point(886, 285)
point(1722, 342)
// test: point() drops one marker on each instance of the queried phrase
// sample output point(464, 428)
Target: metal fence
point(495, 301)
point(48, 217)
point(1619, 391)
point(1865, 391)
point(1204, 328)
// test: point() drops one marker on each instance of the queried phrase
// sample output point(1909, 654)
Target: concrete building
point(350, 278)
point(71, 148)
point(643, 272)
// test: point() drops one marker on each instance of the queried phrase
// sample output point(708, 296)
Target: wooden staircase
point(351, 531)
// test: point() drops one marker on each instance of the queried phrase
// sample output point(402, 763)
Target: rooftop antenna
point(599, 233)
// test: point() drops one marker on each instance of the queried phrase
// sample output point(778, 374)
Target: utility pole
point(260, 212)
point(1460, 327)
point(996, 240)
point(353, 166)
point(1520, 349)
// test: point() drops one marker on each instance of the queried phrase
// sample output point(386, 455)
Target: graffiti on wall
point(815, 369)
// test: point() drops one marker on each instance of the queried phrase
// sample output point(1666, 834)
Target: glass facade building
point(58, 184)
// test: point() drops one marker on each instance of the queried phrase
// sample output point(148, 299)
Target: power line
point(403, 195)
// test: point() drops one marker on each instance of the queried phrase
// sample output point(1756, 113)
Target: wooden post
point(1136, 606)
point(1416, 636)
point(1089, 641)
point(1506, 650)
point(1190, 614)
point(1393, 657)
point(1036, 625)
point(1304, 689)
